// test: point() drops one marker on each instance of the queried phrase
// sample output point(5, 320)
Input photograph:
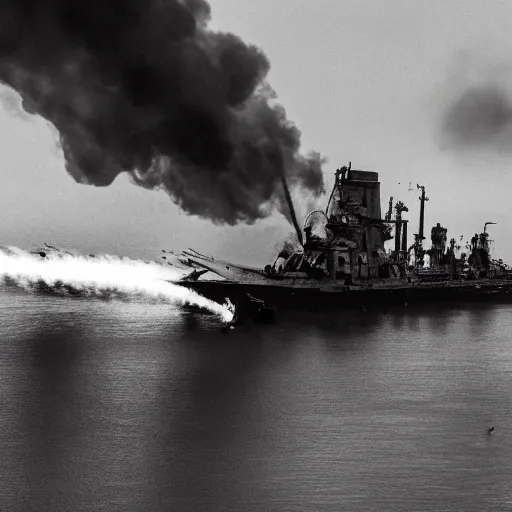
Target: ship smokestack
point(147, 88)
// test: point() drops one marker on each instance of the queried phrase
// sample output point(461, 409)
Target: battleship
point(341, 261)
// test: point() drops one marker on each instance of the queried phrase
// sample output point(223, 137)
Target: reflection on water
point(134, 406)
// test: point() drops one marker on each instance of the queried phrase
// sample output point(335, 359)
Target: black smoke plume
point(481, 118)
point(145, 87)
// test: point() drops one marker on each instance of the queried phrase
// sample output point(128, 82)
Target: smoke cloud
point(481, 118)
point(145, 87)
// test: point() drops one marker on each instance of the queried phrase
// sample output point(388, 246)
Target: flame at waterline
point(95, 276)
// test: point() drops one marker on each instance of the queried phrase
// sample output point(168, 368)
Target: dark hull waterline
point(289, 298)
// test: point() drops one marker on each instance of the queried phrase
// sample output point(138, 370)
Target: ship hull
point(312, 299)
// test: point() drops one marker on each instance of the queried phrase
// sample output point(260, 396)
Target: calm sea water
point(119, 406)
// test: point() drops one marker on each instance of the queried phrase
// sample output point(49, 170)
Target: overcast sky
point(366, 81)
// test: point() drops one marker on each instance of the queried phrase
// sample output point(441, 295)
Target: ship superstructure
point(352, 248)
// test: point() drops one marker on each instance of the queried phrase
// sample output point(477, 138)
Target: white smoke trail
point(100, 275)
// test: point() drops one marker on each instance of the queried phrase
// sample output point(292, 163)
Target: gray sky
point(364, 80)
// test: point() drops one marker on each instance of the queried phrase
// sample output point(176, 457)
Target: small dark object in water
point(266, 314)
point(260, 311)
point(490, 430)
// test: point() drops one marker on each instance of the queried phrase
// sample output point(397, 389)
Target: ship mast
point(422, 211)
point(419, 237)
